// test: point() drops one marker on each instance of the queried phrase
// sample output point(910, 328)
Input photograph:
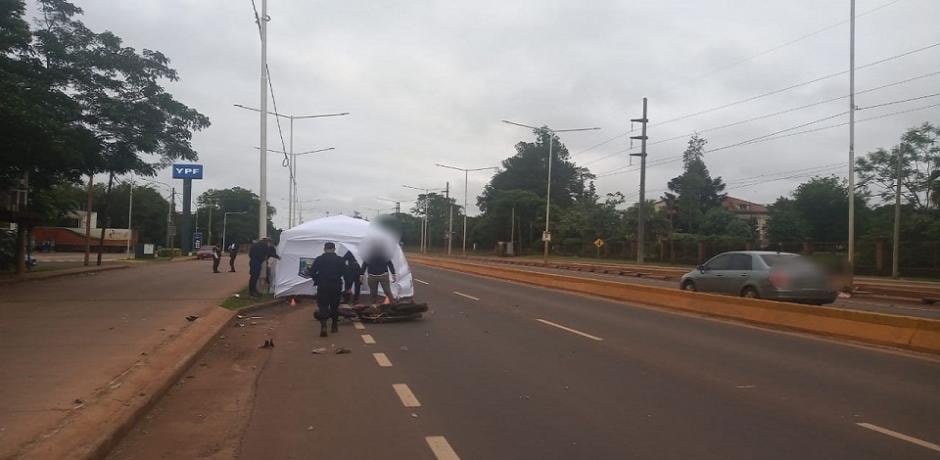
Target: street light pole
point(641, 218)
point(225, 225)
point(130, 210)
point(851, 248)
point(466, 193)
point(425, 221)
point(263, 194)
point(546, 236)
point(292, 184)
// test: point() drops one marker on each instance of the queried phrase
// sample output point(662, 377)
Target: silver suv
point(764, 275)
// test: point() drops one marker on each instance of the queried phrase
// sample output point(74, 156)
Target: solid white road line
point(461, 294)
point(901, 436)
point(367, 339)
point(421, 281)
point(407, 398)
point(441, 448)
point(359, 325)
point(573, 331)
point(382, 359)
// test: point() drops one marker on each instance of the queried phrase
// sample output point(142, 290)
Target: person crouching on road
point(381, 271)
point(353, 280)
point(216, 258)
point(328, 273)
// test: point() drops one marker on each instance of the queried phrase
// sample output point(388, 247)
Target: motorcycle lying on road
point(402, 310)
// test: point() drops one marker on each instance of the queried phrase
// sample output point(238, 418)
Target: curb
point(60, 274)
point(92, 431)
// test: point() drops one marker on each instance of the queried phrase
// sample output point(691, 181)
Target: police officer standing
point(328, 273)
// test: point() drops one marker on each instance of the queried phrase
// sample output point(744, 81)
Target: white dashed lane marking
point(407, 398)
point(441, 448)
point(901, 436)
point(382, 359)
point(367, 339)
point(421, 281)
point(568, 329)
point(358, 325)
point(467, 296)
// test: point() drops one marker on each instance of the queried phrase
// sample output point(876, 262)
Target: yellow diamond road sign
point(598, 242)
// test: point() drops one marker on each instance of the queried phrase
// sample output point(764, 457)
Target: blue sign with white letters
point(184, 171)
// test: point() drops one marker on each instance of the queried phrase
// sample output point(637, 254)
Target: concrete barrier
point(897, 331)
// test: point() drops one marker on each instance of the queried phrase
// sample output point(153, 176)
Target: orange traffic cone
point(293, 301)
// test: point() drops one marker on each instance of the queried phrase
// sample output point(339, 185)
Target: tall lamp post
point(546, 235)
point(292, 187)
point(292, 198)
point(225, 224)
point(466, 181)
point(424, 222)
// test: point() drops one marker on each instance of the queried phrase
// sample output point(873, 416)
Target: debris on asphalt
point(268, 344)
point(237, 295)
point(414, 415)
point(192, 317)
point(342, 351)
point(742, 387)
point(310, 428)
point(403, 348)
point(240, 316)
point(318, 351)
point(78, 401)
point(237, 324)
point(255, 317)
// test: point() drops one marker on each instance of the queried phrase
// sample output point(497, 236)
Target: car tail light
point(779, 279)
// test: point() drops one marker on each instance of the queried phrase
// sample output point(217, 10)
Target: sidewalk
point(72, 347)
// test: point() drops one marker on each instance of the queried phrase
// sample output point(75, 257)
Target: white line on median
point(382, 359)
point(367, 339)
point(359, 325)
point(441, 448)
point(407, 398)
point(573, 331)
point(901, 436)
point(421, 281)
point(461, 294)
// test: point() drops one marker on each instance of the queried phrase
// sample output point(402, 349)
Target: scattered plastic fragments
point(318, 351)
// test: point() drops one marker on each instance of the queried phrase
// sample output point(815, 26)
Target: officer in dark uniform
point(328, 273)
point(353, 279)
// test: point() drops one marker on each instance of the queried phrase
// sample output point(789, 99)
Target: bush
point(166, 252)
point(7, 249)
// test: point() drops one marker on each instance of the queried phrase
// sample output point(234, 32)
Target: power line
point(782, 45)
point(781, 112)
point(277, 118)
point(775, 136)
point(781, 90)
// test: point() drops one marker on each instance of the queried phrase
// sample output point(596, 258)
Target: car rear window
point(774, 259)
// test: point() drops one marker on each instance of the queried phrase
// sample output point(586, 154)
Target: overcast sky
point(429, 81)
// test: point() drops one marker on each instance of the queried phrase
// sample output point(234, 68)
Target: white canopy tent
point(303, 243)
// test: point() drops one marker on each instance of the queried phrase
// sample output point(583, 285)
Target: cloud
point(428, 81)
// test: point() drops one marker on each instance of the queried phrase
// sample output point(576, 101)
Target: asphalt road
point(501, 370)
point(857, 303)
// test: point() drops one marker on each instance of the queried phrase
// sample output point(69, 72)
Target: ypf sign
point(184, 171)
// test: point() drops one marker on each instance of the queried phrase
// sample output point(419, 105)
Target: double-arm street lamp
point(424, 222)
point(466, 179)
point(292, 197)
point(547, 236)
point(263, 195)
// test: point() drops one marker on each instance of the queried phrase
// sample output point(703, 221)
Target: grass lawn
point(242, 299)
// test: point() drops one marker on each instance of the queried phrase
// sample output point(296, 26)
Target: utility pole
point(130, 211)
point(851, 248)
point(263, 195)
point(896, 250)
point(170, 235)
point(512, 231)
point(209, 236)
point(450, 219)
point(641, 219)
point(91, 194)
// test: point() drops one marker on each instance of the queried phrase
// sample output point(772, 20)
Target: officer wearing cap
point(328, 273)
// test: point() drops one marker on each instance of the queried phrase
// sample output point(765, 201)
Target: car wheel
point(750, 293)
point(689, 286)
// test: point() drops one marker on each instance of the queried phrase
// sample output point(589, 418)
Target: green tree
point(693, 192)
point(785, 224)
point(719, 222)
point(242, 227)
point(920, 159)
point(120, 95)
point(817, 211)
point(438, 211)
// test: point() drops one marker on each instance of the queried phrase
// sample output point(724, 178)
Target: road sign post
point(197, 240)
point(598, 243)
